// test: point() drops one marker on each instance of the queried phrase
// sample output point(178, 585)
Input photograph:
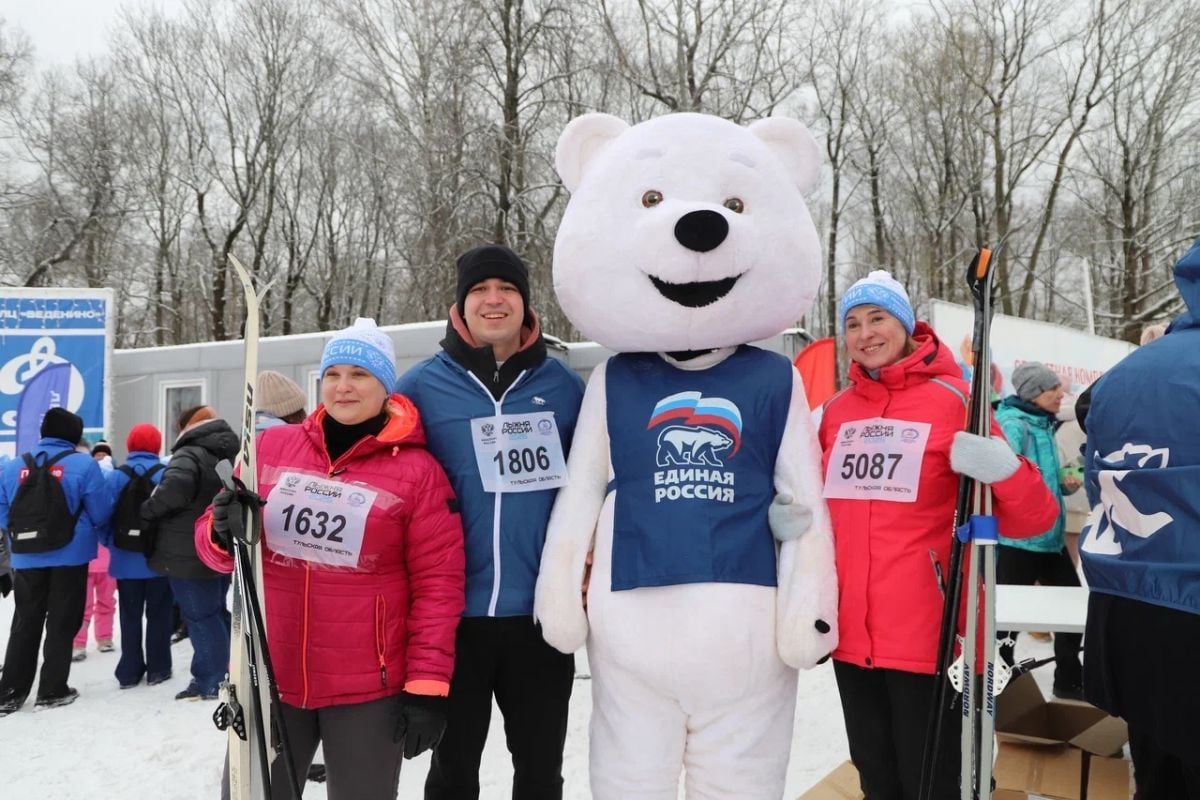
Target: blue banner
point(54, 351)
point(49, 389)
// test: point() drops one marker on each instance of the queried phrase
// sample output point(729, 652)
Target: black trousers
point(1024, 568)
point(531, 681)
point(1160, 775)
point(362, 756)
point(150, 598)
point(886, 713)
point(49, 598)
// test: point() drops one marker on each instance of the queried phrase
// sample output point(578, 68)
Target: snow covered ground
point(142, 744)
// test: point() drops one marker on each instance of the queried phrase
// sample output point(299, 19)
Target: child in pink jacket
point(100, 600)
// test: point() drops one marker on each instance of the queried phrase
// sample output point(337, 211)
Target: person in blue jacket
point(50, 586)
point(499, 415)
point(1141, 549)
point(141, 592)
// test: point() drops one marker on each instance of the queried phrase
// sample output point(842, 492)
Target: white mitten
point(787, 518)
point(986, 460)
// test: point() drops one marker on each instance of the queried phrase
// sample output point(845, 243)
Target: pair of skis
point(249, 695)
point(974, 528)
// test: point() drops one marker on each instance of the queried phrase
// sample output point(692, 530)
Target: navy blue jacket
point(449, 396)
point(1142, 465)
point(126, 564)
point(82, 482)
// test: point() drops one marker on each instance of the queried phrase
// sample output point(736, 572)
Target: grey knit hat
point(278, 394)
point(1032, 378)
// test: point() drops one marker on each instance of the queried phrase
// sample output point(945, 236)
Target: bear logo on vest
point(688, 446)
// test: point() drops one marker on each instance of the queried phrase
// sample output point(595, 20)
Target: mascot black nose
point(701, 230)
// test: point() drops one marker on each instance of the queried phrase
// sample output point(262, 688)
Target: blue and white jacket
point(82, 482)
point(504, 533)
point(1142, 465)
point(126, 564)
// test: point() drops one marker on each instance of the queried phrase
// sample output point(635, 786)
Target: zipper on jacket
point(334, 469)
point(491, 612)
point(381, 637)
point(304, 640)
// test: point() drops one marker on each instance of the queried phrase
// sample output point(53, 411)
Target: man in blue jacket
point(49, 586)
point(498, 415)
point(140, 590)
point(1141, 550)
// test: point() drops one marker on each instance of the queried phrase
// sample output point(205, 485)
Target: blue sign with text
point(54, 352)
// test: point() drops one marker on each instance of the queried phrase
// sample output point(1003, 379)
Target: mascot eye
point(735, 205)
point(652, 198)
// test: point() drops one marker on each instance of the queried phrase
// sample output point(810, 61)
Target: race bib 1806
point(317, 519)
point(519, 452)
point(877, 459)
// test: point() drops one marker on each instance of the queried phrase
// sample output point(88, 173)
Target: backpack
point(127, 523)
point(39, 519)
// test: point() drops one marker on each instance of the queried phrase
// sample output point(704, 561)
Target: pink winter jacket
point(340, 635)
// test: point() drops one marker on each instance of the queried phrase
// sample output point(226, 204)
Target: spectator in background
point(279, 399)
point(1029, 419)
point(50, 585)
point(103, 455)
point(188, 485)
point(141, 592)
point(99, 605)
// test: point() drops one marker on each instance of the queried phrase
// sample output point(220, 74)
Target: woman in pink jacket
point(893, 448)
point(363, 572)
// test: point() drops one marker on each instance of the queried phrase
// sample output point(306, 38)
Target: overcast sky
point(63, 29)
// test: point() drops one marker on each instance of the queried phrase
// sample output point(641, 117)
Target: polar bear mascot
point(687, 236)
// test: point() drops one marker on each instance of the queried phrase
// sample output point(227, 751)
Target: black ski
point(977, 421)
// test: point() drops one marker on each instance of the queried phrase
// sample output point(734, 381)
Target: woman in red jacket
point(893, 448)
point(363, 572)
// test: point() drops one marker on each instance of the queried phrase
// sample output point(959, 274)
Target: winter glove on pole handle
point(420, 722)
point(229, 509)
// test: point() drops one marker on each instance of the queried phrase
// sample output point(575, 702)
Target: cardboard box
point(841, 784)
point(1024, 716)
point(1044, 771)
point(1057, 749)
point(1109, 779)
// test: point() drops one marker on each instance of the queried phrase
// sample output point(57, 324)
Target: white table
point(1041, 608)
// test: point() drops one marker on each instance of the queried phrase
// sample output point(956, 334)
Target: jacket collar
point(462, 348)
point(402, 429)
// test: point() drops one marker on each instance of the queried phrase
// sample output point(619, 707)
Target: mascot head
point(685, 232)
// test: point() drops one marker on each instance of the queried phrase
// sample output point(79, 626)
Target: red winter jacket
point(340, 635)
point(889, 608)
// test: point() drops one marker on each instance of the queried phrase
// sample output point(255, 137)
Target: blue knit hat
point(363, 345)
point(879, 289)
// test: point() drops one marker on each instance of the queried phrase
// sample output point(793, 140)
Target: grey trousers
point(362, 758)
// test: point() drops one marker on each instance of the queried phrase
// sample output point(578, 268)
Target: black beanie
point(490, 261)
point(62, 424)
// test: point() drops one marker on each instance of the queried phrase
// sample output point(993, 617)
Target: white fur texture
point(694, 677)
point(609, 243)
point(987, 460)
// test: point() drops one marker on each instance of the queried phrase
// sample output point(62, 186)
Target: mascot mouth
point(696, 294)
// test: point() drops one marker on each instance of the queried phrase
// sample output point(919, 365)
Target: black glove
point(420, 722)
point(229, 515)
point(6, 584)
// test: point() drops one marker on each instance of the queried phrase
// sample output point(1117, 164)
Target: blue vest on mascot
point(693, 455)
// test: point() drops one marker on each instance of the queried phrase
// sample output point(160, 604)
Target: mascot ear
point(794, 146)
point(581, 141)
